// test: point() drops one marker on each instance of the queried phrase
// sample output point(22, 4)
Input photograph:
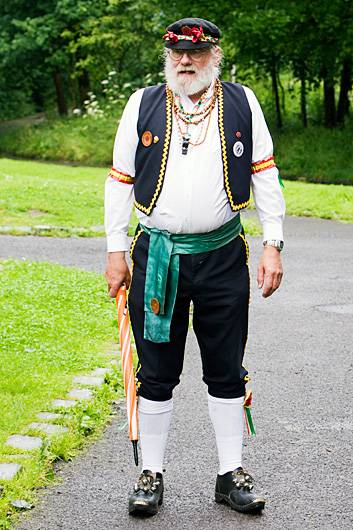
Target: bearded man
point(187, 153)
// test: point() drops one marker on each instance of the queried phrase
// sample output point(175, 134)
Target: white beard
point(187, 87)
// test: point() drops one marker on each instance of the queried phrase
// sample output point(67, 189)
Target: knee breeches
point(217, 283)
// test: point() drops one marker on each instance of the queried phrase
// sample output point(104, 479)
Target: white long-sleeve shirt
point(193, 198)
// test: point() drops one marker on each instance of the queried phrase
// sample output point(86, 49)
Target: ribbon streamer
point(247, 413)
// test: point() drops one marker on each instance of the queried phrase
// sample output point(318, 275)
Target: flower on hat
point(197, 34)
point(170, 35)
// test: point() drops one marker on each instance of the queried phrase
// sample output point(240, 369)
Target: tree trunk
point(276, 95)
point(83, 86)
point(303, 113)
point(345, 87)
point(329, 101)
point(37, 98)
point(60, 96)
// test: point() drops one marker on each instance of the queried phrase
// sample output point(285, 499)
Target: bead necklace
point(187, 118)
point(185, 136)
point(180, 108)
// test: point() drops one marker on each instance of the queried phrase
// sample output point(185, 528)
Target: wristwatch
point(277, 243)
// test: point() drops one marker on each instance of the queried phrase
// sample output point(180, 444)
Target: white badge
point(238, 149)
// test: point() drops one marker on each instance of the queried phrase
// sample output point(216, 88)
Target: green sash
point(162, 272)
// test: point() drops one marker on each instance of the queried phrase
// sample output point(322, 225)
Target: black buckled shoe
point(235, 489)
point(147, 495)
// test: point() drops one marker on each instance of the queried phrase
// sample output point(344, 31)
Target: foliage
point(315, 154)
point(86, 141)
point(64, 49)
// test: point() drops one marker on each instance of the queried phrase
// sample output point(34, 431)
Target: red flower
point(171, 36)
point(197, 33)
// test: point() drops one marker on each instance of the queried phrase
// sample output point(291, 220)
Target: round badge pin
point(147, 138)
point(238, 149)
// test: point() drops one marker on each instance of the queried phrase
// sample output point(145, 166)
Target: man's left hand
point(269, 271)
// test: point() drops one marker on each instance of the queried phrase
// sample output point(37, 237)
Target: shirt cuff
point(118, 243)
point(272, 231)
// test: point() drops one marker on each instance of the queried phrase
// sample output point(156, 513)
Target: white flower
point(76, 112)
point(105, 82)
point(113, 72)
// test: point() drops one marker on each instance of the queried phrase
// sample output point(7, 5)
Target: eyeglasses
point(194, 55)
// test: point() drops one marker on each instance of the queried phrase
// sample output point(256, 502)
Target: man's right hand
point(117, 272)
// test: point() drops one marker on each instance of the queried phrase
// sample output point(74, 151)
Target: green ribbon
point(250, 421)
point(162, 271)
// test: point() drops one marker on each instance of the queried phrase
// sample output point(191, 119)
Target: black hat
point(191, 34)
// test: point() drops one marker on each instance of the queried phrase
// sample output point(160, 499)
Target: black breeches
point(217, 283)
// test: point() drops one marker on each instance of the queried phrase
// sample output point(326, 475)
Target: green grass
point(69, 198)
point(51, 199)
point(314, 154)
point(328, 201)
point(86, 141)
point(56, 200)
point(54, 322)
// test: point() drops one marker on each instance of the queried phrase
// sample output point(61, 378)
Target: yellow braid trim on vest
point(133, 243)
point(168, 133)
point(234, 207)
point(246, 248)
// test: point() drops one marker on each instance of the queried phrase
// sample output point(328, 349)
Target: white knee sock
point(227, 418)
point(154, 421)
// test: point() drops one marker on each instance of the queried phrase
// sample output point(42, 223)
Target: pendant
point(185, 145)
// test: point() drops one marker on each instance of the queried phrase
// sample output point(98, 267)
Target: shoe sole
point(254, 507)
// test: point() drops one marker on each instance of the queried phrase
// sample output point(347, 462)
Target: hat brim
point(187, 45)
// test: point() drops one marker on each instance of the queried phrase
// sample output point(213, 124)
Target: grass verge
point(314, 154)
point(86, 141)
point(57, 200)
point(327, 201)
point(54, 322)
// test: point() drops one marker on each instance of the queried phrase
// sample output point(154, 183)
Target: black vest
point(155, 120)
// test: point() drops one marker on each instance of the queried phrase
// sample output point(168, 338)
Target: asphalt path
point(299, 356)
